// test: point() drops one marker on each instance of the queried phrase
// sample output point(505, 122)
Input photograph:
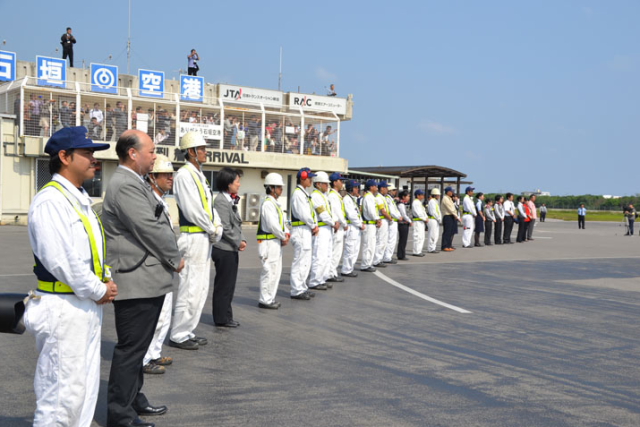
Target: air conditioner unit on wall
point(252, 207)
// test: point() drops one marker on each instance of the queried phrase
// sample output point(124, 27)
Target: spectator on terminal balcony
point(254, 128)
point(109, 122)
point(326, 145)
point(234, 134)
point(194, 117)
point(228, 131)
point(120, 114)
point(277, 138)
point(95, 130)
point(332, 90)
point(96, 112)
point(192, 65)
point(65, 114)
point(161, 137)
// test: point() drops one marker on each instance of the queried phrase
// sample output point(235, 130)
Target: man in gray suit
point(143, 254)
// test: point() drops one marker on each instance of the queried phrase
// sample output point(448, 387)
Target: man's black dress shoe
point(200, 340)
point(419, 255)
point(272, 306)
point(230, 324)
point(380, 265)
point(151, 410)
point(393, 261)
point(352, 274)
point(303, 296)
point(320, 287)
point(139, 423)
point(185, 345)
point(403, 259)
point(335, 279)
point(369, 270)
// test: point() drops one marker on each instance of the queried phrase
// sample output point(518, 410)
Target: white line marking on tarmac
point(13, 275)
point(541, 237)
point(419, 295)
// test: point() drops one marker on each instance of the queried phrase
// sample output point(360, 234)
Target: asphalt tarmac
point(544, 333)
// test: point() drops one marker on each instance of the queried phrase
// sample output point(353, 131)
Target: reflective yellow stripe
point(370, 222)
point(320, 224)
point(191, 229)
point(54, 287)
point(98, 264)
point(394, 220)
point(298, 223)
point(203, 197)
point(418, 219)
point(265, 237)
point(432, 217)
point(326, 202)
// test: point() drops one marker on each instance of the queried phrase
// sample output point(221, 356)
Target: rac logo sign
point(303, 102)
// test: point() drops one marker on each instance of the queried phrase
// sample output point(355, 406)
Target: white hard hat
point(162, 164)
point(273, 179)
point(321, 177)
point(435, 192)
point(390, 186)
point(191, 140)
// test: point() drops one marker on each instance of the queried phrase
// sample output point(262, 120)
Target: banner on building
point(7, 66)
point(51, 71)
point(318, 103)
point(104, 78)
point(249, 95)
point(191, 88)
point(151, 83)
point(207, 131)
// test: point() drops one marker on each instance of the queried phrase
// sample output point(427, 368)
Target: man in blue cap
point(382, 233)
point(304, 226)
point(68, 245)
point(468, 217)
point(419, 222)
point(338, 209)
point(353, 236)
point(372, 222)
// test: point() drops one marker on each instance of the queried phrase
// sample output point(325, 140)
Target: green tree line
point(590, 202)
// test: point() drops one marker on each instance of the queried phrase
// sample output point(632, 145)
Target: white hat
point(274, 179)
point(191, 140)
point(435, 192)
point(162, 164)
point(321, 177)
point(390, 186)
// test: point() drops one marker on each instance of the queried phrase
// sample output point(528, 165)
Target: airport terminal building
point(256, 130)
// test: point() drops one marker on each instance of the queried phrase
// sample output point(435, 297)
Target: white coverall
point(323, 241)
point(435, 219)
point(419, 222)
point(67, 327)
point(370, 216)
point(338, 210)
point(382, 233)
point(270, 248)
point(468, 220)
point(392, 235)
point(301, 211)
point(164, 321)
point(196, 247)
point(353, 235)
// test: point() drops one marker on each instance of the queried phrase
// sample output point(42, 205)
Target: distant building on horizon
point(536, 193)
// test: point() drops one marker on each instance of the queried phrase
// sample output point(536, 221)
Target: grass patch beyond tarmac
point(572, 215)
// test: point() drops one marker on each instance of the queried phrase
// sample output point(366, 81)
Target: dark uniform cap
point(383, 184)
point(308, 171)
point(335, 177)
point(446, 190)
point(469, 189)
point(371, 183)
point(350, 184)
point(70, 138)
point(418, 192)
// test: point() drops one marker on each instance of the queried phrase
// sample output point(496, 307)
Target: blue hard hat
point(383, 184)
point(335, 176)
point(309, 174)
point(418, 192)
point(71, 138)
point(371, 183)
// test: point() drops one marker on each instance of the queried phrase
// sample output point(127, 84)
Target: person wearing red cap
point(69, 248)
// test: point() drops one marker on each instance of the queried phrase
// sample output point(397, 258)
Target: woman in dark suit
point(225, 252)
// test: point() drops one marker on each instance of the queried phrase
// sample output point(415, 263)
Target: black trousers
point(68, 53)
point(631, 223)
point(449, 225)
point(581, 221)
point(224, 285)
point(403, 236)
point(522, 230)
point(508, 226)
point(497, 237)
point(543, 215)
point(192, 71)
point(136, 321)
point(488, 228)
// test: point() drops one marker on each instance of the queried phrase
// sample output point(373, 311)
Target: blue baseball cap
point(371, 183)
point(446, 190)
point(71, 138)
point(418, 192)
point(383, 184)
point(308, 171)
point(469, 188)
point(350, 184)
point(335, 176)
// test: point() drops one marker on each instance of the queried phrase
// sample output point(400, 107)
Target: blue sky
point(517, 95)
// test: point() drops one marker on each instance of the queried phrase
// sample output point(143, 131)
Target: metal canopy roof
point(412, 171)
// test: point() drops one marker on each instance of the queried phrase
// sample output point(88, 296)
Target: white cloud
point(431, 126)
point(326, 76)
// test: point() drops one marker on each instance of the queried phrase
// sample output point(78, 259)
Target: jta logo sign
point(235, 94)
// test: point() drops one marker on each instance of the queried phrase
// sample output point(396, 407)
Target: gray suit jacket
point(231, 224)
point(133, 232)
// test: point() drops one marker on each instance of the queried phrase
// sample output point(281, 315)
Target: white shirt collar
point(78, 193)
point(132, 171)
